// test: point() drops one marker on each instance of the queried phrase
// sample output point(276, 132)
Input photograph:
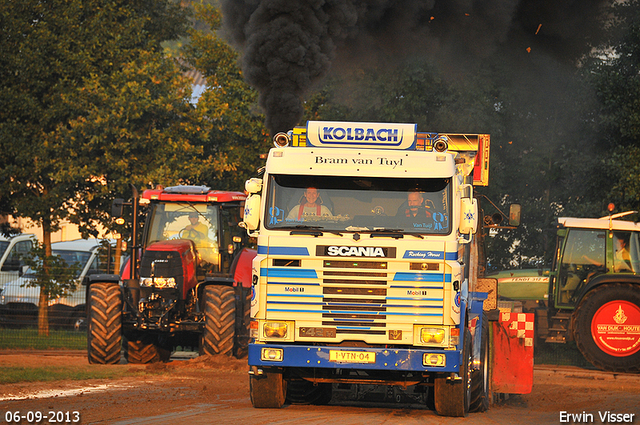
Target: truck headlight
point(432, 335)
point(275, 329)
point(158, 282)
point(271, 354)
point(434, 360)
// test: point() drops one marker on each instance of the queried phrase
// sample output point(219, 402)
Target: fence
point(65, 326)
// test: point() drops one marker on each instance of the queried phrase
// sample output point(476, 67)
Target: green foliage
point(89, 103)
point(237, 136)
point(614, 72)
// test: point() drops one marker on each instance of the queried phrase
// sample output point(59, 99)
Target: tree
point(237, 137)
point(614, 72)
point(89, 106)
point(53, 276)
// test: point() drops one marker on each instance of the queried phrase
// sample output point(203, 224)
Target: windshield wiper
point(380, 232)
point(304, 229)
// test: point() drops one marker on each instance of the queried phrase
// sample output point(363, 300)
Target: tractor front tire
point(104, 330)
point(219, 320)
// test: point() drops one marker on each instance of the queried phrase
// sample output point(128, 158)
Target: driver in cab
point(310, 205)
point(195, 231)
point(416, 206)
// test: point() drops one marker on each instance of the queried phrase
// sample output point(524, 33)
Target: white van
point(12, 250)
point(19, 303)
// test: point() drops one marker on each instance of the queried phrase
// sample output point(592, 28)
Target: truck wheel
point(267, 389)
point(598, 327)
point(305, 392)
point(480, 377)
point(145, 349)
point(104, 327)
point(219, 320)
point(452, 397)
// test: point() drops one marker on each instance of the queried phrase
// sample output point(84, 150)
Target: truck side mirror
point(251, 217)
point(116, 207)
point(468, 216)
point(514, 215)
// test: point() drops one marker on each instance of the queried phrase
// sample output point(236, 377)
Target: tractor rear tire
point(145, 349)
point(104, 330)
point(611, 296)
point(219, 320)
point(451, 397)
point(480, 393)
point(268, 389)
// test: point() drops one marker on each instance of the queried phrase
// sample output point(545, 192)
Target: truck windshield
point(359, 204)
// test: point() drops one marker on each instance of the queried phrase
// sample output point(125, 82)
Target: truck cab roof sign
point(361, 135)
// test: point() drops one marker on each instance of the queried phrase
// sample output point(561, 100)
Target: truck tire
point(268, 389)
point(452, 398)
point(219, 320)
point(104, 328)
point(480, 394)
point(613, 305)
point(300, 391)
point(145, 349)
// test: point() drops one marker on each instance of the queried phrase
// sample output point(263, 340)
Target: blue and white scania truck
point(373, 278)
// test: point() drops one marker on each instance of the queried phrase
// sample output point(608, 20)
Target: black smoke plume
point(289, 45)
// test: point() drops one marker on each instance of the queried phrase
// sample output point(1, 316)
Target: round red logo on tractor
point(616, 328)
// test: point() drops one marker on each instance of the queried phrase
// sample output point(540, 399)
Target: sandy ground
point(207, 390)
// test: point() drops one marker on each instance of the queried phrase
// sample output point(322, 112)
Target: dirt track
point(209, 390)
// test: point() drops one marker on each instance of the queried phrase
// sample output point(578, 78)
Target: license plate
point(340, 356)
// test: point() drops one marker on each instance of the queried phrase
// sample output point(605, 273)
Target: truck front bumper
point(391, 359)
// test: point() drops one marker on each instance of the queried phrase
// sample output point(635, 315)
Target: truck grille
point(371, 300)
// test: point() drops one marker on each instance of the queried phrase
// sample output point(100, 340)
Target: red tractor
point(187, 284)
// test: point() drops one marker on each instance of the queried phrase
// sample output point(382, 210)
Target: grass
point(12, 374)
point(28, 338)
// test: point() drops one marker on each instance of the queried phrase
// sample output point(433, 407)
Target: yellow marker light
point(275, 329)
point(432, 335)
point(434, 360)
point(271, 354)
point(120, 220)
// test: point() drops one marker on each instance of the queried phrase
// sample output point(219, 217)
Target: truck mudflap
point(512, 337)
point(305, 356)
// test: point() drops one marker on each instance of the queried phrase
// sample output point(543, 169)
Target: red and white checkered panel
point(520, 325)
point(512, 363)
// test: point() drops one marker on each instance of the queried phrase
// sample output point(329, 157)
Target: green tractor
point(592, 291)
